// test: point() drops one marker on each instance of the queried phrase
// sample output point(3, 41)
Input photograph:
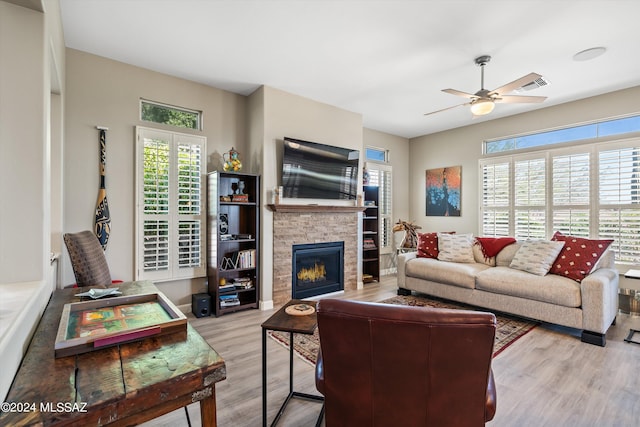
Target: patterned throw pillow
point(455, 247)
point(536, 256)
point(427, 245)
point(578, 256)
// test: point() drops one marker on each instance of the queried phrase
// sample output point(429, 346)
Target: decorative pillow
point(536, 256)
point(578, 256)
point(427, 245)
point(455, 247)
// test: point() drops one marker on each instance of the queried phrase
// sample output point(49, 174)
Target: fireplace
point(316, 269)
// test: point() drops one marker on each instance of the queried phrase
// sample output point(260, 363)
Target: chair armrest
point(492, 399)
point(320, 372)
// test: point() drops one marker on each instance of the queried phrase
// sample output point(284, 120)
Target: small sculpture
point(232, 161)
point(410, 240)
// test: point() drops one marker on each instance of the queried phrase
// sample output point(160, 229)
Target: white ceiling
point(387, 60)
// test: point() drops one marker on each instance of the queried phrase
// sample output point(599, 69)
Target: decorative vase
point(232, 161)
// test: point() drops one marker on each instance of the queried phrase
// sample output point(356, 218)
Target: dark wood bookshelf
point(233, 248)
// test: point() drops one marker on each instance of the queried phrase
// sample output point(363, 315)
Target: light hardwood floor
point(547, 378)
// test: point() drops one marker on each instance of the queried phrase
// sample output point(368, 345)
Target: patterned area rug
point(508, 331)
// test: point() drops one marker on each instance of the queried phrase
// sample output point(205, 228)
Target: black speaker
point(201, 305)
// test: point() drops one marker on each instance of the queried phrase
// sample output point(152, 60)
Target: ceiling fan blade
point(448, 108)
point(514, 99)
point(509, 87)
point(460, 93)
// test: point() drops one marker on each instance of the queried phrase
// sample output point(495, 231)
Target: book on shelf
point(229, 300)
point(242, 283)
point(227, 287)
point(368, 243)
point(242, 198)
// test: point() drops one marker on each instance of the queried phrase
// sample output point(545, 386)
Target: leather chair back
point(391, 365)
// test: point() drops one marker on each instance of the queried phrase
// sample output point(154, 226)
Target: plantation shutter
point(619, 200)
point(381, 175)
point(530, 198)
point(170, 214)
point(571, 194)
point(495, 199)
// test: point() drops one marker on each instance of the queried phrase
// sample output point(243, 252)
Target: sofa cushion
point(578, 256)
point(450, 273)
point(536, 256)
point(505, 256)
point(551, 288)
point(455, 247)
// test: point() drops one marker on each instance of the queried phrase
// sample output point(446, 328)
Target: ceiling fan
point(483, 101)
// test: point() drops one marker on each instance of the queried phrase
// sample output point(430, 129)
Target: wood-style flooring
point(547, 378)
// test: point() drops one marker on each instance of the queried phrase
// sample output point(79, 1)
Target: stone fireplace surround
point(318, 224)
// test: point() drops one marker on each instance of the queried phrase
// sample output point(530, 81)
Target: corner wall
point(463, 146)
point(103, 92)
point(279, 114)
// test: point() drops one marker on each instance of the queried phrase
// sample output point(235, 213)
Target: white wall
point(107, 93)
point(463, 146)
point(23, 119)
point(30, 42)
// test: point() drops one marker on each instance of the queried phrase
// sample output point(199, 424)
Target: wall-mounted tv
point(317, 171)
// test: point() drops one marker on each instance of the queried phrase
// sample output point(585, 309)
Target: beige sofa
point(591, 305)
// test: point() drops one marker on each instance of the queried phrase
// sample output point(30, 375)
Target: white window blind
point(381, 175)
point(589, 190)
point(495, 204)
point(571, 194)
point(619, 200)
point(530, 200)
point(170, 199)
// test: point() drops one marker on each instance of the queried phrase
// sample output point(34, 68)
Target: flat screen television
point(317, 171)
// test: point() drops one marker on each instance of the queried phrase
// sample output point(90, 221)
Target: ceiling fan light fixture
point(482, 107)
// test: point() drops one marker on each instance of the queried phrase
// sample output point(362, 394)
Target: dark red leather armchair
point(391, 365)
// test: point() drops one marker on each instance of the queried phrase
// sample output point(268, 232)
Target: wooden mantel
point(314, 208)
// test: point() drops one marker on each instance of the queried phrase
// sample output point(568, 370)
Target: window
point(169, 115)
point(589, 190)
point(170, 173)
point(380, 174)
point(599, 129)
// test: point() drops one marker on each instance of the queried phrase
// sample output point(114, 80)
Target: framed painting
point(92, 325)
point(443, 191)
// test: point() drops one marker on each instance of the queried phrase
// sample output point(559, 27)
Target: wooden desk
point(123, 385)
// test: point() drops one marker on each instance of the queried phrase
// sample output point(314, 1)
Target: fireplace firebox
point(317, 268)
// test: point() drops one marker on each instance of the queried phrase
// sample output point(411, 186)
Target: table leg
point(264, 377)
point(208, 409)
point(290, 362)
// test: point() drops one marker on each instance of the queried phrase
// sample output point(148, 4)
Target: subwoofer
point(201, 305)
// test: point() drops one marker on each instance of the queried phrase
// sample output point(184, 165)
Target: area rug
point(509, 328)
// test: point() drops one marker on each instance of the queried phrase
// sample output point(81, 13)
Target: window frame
point(197, 113)
point(594, 206)
point(173, 217)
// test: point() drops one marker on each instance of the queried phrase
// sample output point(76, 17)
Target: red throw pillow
point(578, 256)
point(427, 245)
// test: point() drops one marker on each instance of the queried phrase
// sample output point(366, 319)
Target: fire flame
point(312, 274)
